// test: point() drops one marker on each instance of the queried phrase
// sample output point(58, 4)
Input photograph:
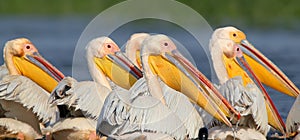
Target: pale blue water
point(56, 38)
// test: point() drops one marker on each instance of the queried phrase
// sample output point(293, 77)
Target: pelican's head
point(105, 54)
point(133, 47)
point(158, 45)
point(19, 47)
point(102, 46)
point(228, 40)
point(22, 58)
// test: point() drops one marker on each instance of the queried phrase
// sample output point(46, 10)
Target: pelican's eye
point(237, 36)
point(166, 44)
point(27, 46)
point(108, 46)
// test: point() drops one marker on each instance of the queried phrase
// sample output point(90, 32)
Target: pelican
point(132, 50)
point(269, 74)
point(85, 98)
point(100, 56)
point(18, 94)
point(226, 46)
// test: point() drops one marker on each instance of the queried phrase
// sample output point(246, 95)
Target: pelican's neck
point(97, 74)
point(152, 80)
point(8, 58)
point(131, 53)
point(217, 59)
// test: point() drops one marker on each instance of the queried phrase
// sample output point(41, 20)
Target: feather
point(22, 90)
point(121, 115)
point(77, 123)
point(249, 101)
point(86, 96)
point(179, 104)
point(3, 71)
point(293, 119)
point(12, 126)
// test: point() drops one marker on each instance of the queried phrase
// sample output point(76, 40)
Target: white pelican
point(266, 72)
point(225, 46)
point(86, 98)
point(173, 97)
point(19, 94)
point(102, 63)
point(120, 109)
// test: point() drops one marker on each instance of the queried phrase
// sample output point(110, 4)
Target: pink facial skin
point(238, 51)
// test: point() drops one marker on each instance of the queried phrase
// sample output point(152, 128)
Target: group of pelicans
point(149, 92)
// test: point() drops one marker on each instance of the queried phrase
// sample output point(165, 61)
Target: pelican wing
point(179, 104)
point(22, 90)
point(121, 115)
point(86, 96)
point(248, 101)
point(293, 119)
point(3, 71)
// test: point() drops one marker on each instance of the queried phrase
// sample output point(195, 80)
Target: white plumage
point(124, 114)
point(78, 128)
point(293, 119)
point(12, 128)
point(3, 71)
point(249, 102)
point(22, 99)
point(86, 96)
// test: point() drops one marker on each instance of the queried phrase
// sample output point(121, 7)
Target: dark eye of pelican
point(238, 49)
point(166, 44)
point(27, 47)
point(234, 35)
point(108, 46)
